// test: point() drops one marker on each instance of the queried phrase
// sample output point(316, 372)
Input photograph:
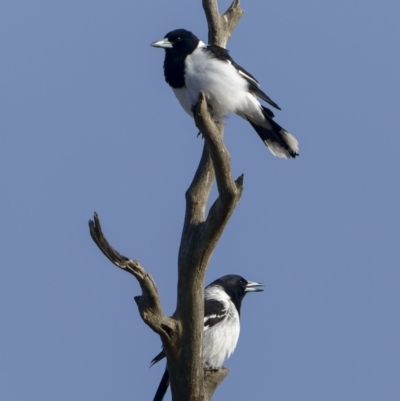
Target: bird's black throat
point(174, 68)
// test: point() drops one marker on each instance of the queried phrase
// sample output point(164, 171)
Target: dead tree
point(181, 334)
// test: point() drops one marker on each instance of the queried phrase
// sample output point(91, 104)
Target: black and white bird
point(191, 66)
point(222, 301)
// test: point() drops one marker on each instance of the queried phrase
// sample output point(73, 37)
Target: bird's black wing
point(254, 86)
point(214, 312)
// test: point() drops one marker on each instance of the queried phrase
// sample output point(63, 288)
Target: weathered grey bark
point(182, 333)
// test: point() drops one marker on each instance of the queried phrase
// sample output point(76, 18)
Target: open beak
point(253, 286)
point(163, 43)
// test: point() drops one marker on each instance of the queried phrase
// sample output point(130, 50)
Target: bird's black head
point(178, 41)
point(237, 287)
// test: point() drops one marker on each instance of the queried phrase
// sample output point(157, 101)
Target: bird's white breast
point(220, 341)
point(223, 86)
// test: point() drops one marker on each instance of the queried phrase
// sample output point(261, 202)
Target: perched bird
point(191, 66)
point(222, 301)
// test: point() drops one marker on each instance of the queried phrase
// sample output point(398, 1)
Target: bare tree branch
point(214, 22)
point(229, 190)
point(212, 379)
point(221, 27)
point(231, 18)
point(199, 191)
point(227, 187)
point(149, 303)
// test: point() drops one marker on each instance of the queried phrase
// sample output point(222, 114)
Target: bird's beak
point(163, 43)
point(253, 286)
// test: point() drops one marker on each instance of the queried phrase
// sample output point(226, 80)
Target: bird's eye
point(178, 38)
point(242, 283)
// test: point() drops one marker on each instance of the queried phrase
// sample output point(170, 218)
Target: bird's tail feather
point(157, 358)
point(162, 387)
point(280, 142)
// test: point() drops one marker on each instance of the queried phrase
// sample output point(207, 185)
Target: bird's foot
point(194, 108)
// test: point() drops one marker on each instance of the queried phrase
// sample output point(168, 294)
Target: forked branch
point(221, 27)
point(149, 303)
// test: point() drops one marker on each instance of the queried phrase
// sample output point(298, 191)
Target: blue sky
point(88, 123)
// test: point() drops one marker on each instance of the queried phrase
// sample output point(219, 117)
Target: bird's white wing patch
point(215, 312)
point(243, 74)
point(248, 77)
